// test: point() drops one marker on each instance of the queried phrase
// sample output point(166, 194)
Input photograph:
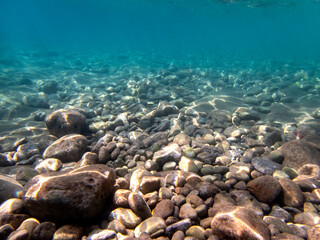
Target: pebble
point(102, 234)
point(9, 188)
point(126, 216)
point(68, 232)
point(139, 205)
point(197, 232)
point(187, 211)
point(49, 165)
point(152, 226)
point(163, 209)
point(181, 225)
point(43, 231)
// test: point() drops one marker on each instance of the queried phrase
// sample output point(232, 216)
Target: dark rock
point(49, 87)
point(298, 153)
point(69, 196)
point(207, 190)
point(266, 188)
point(44, 231)
point(67, 149)
point(164, 109)
point(239, 223)
point(182, 225)
point(9, 188)
point(68, 232)
point(265, 166)
point(65, 121)
point(5, 231)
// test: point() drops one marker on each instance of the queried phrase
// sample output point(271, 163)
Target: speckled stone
point(163, 209)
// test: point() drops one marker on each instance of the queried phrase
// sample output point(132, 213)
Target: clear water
point(261, 29)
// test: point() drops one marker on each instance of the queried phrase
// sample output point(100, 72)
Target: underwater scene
point(160, 119)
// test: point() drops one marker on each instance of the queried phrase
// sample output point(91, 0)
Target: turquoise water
point(278, 30)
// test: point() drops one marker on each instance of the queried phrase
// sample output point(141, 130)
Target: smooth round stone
point(307, 183)
point(65, 121)
point(165, 193)
point(118, 227)
point(120, 198)
point(151, 165)
point(18, 234)
point(178, 235)
point(68, 232)
point(102, 234)
point(189, 152)
point(163, 209)
point(187, 211)
point(44, 231)
point(150, 226)
point(182, 139)
point(197, 232)
point(49, 165)
point(29, 225)
point(12, 205)
point(169, 166)
point(149, 184)
point(278, 174)
point(194, 200)
point(126, 216)
point(207, 190)
point(310, 219)
point(139, 205)
point(68, 148)
point(266, 188)
point(291, 194)
point(9, 188)
point(188, 165)
point(276, 156)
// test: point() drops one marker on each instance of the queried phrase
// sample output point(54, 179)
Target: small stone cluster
point(169, 174)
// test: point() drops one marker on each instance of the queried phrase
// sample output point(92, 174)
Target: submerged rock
point(69, 196)
point(67, 149)
point(65, 121)
point(239, 223)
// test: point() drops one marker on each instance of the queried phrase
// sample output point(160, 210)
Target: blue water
point(255, 30)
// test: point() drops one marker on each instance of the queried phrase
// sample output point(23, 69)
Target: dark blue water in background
point(256, 30)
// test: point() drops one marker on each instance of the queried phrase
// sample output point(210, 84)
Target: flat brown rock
point(239, 223)
point(297, 153)
point(291, 194)
point(265, 188)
